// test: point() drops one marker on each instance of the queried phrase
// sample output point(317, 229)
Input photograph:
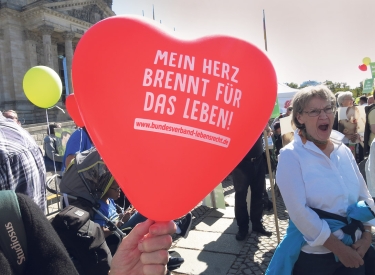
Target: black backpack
point(84, 240)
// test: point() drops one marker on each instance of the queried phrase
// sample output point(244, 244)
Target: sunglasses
point(118, 189)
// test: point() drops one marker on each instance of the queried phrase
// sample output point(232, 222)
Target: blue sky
point(307, 40)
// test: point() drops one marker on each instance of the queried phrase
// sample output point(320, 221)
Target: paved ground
point(211, 247)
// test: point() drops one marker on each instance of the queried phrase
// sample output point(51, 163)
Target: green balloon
point(42, 86)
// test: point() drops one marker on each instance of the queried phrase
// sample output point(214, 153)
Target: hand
point(352, 137)
point(145, 250)
point(125, 217)
point(350, 257)
point(132, 210)
point(362, 245)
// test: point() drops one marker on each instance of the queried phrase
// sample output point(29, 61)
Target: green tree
point(337, 86)
point(292, 85)
point(358, 91)
point(330, 85)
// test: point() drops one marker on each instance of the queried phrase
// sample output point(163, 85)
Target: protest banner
point(368, 86)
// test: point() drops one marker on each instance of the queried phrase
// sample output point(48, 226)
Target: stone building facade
point(41, 32)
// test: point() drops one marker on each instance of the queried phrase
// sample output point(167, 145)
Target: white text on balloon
point(180, 81)
point(205, 114)
point(188, 61)
point(159, 103)
point(225, 69)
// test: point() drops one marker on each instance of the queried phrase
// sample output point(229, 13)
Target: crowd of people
point(329, 201)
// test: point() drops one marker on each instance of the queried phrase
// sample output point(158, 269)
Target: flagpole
point(264, 31)
point(265, 136)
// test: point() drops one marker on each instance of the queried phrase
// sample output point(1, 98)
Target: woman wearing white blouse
point(318, 171)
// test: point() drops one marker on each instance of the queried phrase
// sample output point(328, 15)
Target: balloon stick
point(270, 173)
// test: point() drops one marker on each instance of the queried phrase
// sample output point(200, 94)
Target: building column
point(47, 48)
point(31, 54)
point(68, 36)
point(55, 57)
point(75, 46)
point(109, 3)
point(7, 81)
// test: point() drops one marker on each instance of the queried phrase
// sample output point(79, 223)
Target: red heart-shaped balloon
point(171, 118)
point(71, 106)
point(363, 67)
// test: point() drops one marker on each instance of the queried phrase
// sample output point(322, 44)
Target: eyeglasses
point(316, 112)
point(117, 189)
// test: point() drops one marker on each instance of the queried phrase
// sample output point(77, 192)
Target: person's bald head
point(11, 115)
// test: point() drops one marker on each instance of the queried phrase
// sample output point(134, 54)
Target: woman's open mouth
point(323, 127)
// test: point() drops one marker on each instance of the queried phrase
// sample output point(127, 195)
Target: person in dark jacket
point(52, 157)
point(276, 138)
point(47, 255)
point(251, 171)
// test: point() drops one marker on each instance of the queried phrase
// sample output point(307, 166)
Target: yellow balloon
point(366, 60)
point(42, 86)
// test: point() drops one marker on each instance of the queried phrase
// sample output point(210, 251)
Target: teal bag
point(12, 231)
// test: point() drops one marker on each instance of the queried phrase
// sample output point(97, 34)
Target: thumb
point(355, 246)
